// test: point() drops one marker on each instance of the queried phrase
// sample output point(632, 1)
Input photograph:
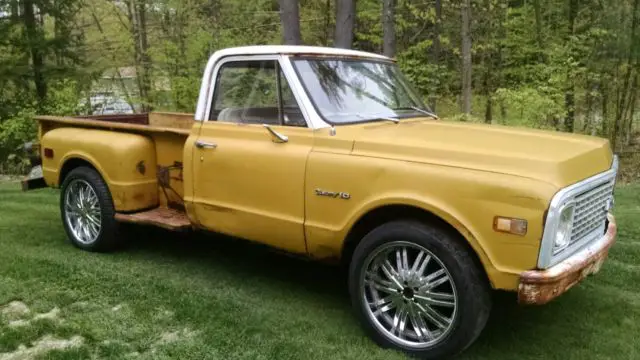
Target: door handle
point(277, 137)
point(205, 145)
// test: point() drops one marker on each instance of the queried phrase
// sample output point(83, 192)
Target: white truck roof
point(295, 50)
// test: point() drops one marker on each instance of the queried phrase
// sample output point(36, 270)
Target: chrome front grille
point(590, 212)
point(591, 198)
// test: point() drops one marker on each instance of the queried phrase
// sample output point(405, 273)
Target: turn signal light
point(510, 225)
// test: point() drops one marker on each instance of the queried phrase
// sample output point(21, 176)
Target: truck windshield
point(350, 91)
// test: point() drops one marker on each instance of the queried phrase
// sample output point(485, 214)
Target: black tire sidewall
point(107, 238)
point(474, 300)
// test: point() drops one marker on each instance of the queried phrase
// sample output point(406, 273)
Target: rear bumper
point(541, 286)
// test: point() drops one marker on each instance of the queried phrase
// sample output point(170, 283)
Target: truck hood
point(557, 158)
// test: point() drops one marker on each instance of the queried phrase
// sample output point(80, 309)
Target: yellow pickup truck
point(330, 154)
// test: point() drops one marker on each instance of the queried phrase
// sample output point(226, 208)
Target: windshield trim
point(340, 58)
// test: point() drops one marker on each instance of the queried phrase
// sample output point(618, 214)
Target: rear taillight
point(48, 153)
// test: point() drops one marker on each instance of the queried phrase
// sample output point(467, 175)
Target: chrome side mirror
point(277, 137)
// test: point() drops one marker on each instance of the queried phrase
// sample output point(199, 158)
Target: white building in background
point(115, 92)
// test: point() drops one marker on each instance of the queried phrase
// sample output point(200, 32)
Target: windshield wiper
point(428, 113)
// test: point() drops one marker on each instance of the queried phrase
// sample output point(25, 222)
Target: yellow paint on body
point(251, 187)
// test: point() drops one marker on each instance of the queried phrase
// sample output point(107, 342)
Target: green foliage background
point(526, 63)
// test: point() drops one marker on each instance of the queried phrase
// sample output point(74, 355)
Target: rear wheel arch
point(392, 212)
point(74, 162)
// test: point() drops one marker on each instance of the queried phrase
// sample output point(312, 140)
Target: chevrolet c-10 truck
point(330, 154)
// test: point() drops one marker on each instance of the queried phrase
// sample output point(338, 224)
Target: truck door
point(250, 156)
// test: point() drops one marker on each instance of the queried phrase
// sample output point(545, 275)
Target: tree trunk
point(629, 130)
point(345, 22)
point(57, 34)
point(499, 78)
point(538, 12)
point(327, 21)
point(437, 30)
point(634, 103)
point(138, 26)
point(60, 30)
point(144, 53)
point(630, 111)
point(290, 18)
point(488, 113)
point(588, 121)
point(15, 10)
point(35, 38)
point(570, 106)
point(487, 61)
point(388, 28)
point(212, 10)
point(466, 56)
point(626, 93)
point(569, 95)
point(605, 110)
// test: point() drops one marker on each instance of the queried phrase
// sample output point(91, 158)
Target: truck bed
point(168, 131)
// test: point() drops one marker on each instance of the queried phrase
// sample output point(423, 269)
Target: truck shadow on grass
point(521, 332)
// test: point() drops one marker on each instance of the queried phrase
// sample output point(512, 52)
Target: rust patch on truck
point(165, 177)
point(538, 287)
point(162, 217)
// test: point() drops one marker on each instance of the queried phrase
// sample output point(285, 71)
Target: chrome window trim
point(216, 71)
point(546, 258)
point(314, 120)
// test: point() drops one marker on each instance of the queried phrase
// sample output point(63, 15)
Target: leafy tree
point(569, 65)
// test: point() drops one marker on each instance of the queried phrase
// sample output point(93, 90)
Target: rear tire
point(416, 288)
point(87, 211)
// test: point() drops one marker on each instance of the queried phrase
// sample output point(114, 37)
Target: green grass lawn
point(197, 297)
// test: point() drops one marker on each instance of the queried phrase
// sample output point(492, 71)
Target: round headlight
point(565, 225)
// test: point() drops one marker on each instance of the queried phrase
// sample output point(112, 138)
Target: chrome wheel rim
point(409, 295)
point(82, 211)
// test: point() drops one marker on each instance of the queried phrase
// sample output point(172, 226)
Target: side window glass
point(246, 92)
point(254, 92)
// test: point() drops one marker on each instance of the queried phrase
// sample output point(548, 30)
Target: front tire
point(416, 288)
point(87, 211)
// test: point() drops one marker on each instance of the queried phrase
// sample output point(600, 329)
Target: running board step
point(162, 217)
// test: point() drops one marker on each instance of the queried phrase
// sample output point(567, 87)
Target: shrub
point(533, 107)
point(14, 132)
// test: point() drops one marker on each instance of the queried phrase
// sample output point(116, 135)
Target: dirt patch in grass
point(42, 346)
point(19, 323)
point(51, 315)
point(175, 336)
point(15, 310)
point(163, 314)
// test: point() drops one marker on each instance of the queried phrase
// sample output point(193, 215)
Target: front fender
point(466, 199)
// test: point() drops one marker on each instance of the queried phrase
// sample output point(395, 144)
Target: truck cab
point(332, 155)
